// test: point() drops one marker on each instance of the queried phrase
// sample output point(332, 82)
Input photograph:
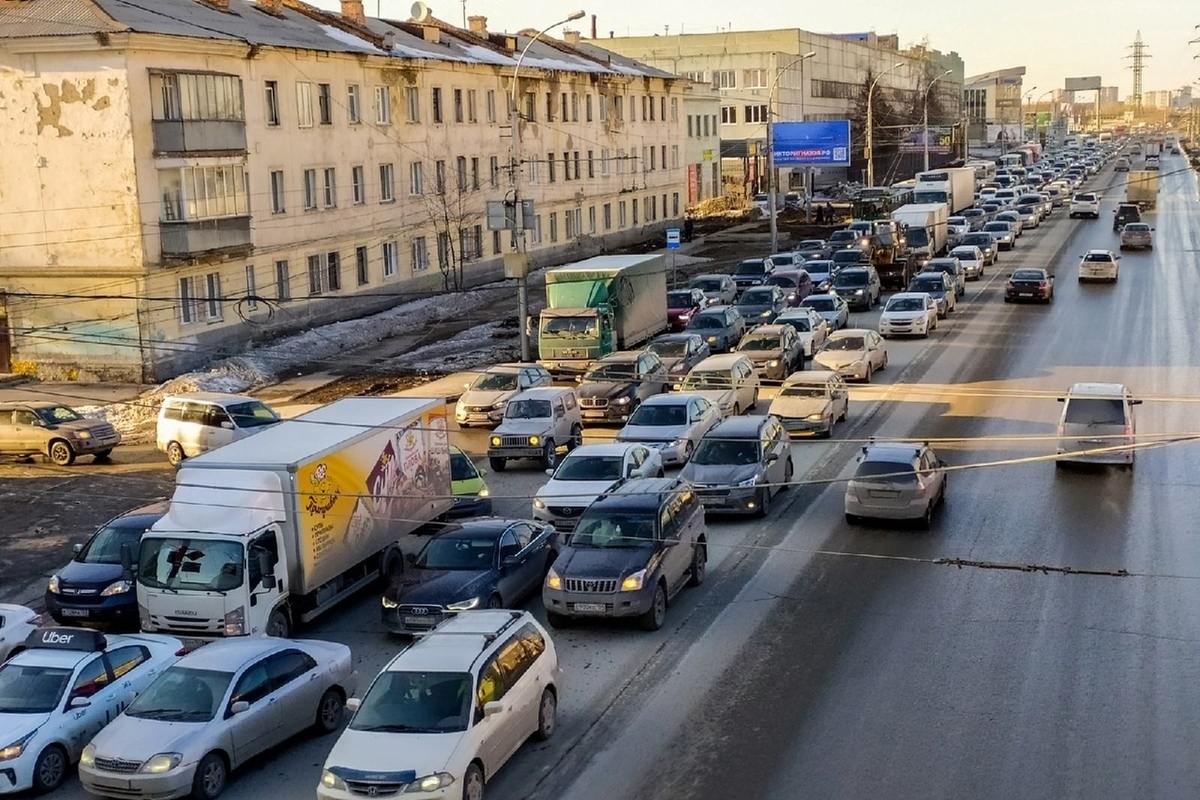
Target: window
point(652, 210)
point(755, 113)
point(358, 185)
point(674, 156)
point(251, 288)
point(633, 108)
point(574, 107)
point(277, 203)
point(728, 115)
point(213, 298)
point(495, 243)
point(724, 79)
point(653, 158)
point(621, 219)
point(314, 275)
point(310, 189)
point(333, 271)
point(437, 105)
point(272, 104)
point(304, 117)
point(675, 204)
point(325, 103)
point(534, 170)
point(92, 679)
point(674, 109)
point(361, 265)
point(443, 250)
point(439, 170)
point(619, 107)
point(592, 220)
point(330, 187)
point(416, 178)
point(460, 167)
point(663, 159)
point(124, 659)
point(413, 103)
point(549, 106)
point(537, 229)
point(569, 221)
point(190, 193)
point(387, 186)
point(420, 255)
point(635, 212)
point(706, 118)
point(458, 105)
point(197, 96)
point(472, 106)
point(604, 161)
point(689, 129)
point(475, 173)
point(554, 226)
point(383, 105)
point(494, 171)
point(566, 166)
point(602, 101)
point(608, 216)
point(530, 106)
point(754, 79)
point(620, 161)
point(470, 242)
point(591, 162)
point(391, 259)
point(353, 104)
point(647, 107)
point(254, 685)
point(189, 309)
point(550, 164)
point(283, 281)
point(489, 101)
point(575, 161)
point(587, 108)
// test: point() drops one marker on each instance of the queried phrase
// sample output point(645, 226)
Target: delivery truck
point(599, 306)
point(264, 534)
point(926, 229)
point(1141, 187)
point(954, 186)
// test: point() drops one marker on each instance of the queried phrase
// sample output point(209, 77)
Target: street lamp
point(514, 176)
point(871, 122)
point(771, 188)
point(1021, 113)
point(926, 115)
point(1037, 103)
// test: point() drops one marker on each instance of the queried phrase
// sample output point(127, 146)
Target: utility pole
point(925, 129)
point(871, 122)
point(771, 188)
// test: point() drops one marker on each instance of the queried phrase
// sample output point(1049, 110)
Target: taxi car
point(16, 623)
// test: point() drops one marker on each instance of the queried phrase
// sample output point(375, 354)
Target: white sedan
point(215, 708)
point(853, 353)
point(971, 257)
point(810, 326)
point(61, 690)
point(16, 623)
point(672, 424)
point(909, 314)
point(588, 472)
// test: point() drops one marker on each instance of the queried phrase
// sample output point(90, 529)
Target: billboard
point(811, 143)
point(941, 139)
point(1083, 84)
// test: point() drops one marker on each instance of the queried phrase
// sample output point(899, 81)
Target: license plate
point(419, 622)
point(1025, 294)
point(592, 608)
point(74, 612)
point(883, 494)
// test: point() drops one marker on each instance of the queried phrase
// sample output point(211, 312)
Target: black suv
point(1126, 213)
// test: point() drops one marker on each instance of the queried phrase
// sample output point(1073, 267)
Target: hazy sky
point(1053, 39)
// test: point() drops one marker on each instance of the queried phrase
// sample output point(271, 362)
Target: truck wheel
point(61, 453)
point(550, 455)
point(278, 625)
point(497, 464)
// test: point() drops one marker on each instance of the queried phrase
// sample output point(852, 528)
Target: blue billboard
point(811, 143)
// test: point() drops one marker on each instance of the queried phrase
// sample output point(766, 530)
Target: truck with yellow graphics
point(265, 533)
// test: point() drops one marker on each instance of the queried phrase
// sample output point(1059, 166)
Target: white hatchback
point(1086, 204)
point(1099, 265)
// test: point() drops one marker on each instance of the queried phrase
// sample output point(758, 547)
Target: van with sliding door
point(191, 424)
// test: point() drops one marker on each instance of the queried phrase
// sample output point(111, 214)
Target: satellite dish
point(420, 12)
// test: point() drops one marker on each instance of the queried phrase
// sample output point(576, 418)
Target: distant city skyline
point(1068, 38)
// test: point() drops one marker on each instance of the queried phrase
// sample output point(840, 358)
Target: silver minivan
point(1097, 425)
point(191, 424)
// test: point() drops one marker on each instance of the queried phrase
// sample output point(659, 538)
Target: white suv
point(1086, 204)
point(446, 714)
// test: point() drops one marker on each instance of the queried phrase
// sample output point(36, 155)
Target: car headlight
point(120, 587)
point(622, 401)
point(464, 605)
point(553, 580)
point(495, 441)
point(712, 338)
point(774, 362)
point(483, 492)
point(817, 417)
point(499, 405)
point(331, 781)
point(430, 783)
point(235, 622)
point(15, 749)
point(388, 603)
point(538, 504)
point(160, 763)
point(634, 582)
point(88, 756)
point(83, 434)
point(858, 291)
point(52, 587)
point(535, 440)
point(766, 313)
point(748, 482)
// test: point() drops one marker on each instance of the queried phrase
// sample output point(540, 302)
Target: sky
point(1052, 39)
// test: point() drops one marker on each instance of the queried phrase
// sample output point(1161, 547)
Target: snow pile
point(482, 345)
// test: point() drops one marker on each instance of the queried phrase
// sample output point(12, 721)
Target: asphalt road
point(820, 660)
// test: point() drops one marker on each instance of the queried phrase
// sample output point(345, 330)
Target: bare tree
point(455, 214)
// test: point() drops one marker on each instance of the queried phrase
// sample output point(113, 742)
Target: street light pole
point(925, 130)
point(771, 188)
point(871, 122)
point(514, 176)
point(1021, 113)
point(1037, 103)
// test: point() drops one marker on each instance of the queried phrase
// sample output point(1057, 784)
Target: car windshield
point(1028, 275)
point(817, 392)
point(252, 414)
point(30, 689)
point(809, 244)
point(419, 702)
point(1095, 411)
point(495, 382)
point(105, 545)
point(965, 255)
point(733, 452)
point(457, 553)
point(182, 694)
point(654, 416)
point(786, 281)
point(680, 300)
point(850, 279)
point(785, 260)
point(979, 240)
point(707, 284)
point(821, 304)
point(611, 372)
point(178, 562)
point(922, 285)
point(527, 409)
point(843, 236)
point(707, 321)
point(798, 323)
point(630, 529)
point(1105, 257)
point(570, 326)
point(886, 471)
point(53, 415)
point(845, 343)
point(760, 342)
point(819, 269)
point(905, 304)
point(1137, 227)
point(752, 267)
point(707, 380)
point(999, 227)
point(756, 297)
point(590, 468)
point(672, 348)
point(462, 468)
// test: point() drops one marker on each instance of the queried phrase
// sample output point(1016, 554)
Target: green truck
point(599, 306)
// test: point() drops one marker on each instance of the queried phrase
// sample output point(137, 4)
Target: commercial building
point(761, 76)
point(993, 103)
point(182, 176)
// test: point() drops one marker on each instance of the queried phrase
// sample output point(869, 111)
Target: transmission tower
point(1139, 55)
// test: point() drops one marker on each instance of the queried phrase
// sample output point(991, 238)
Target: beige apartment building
point(183, 176)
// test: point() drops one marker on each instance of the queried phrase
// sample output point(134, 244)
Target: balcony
point(199, 136)
point(198, 237)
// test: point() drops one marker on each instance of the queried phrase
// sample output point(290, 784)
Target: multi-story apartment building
point(761, 76)
point(183, 176)
point(702, 149)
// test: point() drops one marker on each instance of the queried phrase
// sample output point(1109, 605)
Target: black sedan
point(1029, 284)
point(480, 563)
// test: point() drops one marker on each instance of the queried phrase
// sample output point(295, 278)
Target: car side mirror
point(1135, 402)
point(772, 458)
point(78, 548)
point(227, 425)
point(510, 561)
point(79, 702)
point(238, 707)
point(1062, 399)
point(410, 558)
point(126, 562)
point(493, 708)
point(353, 703)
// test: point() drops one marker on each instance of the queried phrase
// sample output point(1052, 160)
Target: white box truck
point(925, 228)
point(954, 186)
point(266, 533)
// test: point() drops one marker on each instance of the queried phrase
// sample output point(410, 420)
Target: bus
point(878, 202)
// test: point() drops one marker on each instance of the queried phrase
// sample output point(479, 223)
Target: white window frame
point(358, 184)
point(383, 105)
point(304, 112)
point(419, 251)
point(416, 178)
point(387, 183)
point(412, 96)
point(310, 189)
point(390, 256)
point(329, 175)
point(353, 104)
point(212, 296)
point(278, 192)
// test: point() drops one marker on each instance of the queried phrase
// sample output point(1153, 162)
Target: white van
point(191, 424)
point(1097, 425)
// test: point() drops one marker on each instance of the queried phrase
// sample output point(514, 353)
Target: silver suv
point(538, 424)
point(896, 481)
point(56, 431)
